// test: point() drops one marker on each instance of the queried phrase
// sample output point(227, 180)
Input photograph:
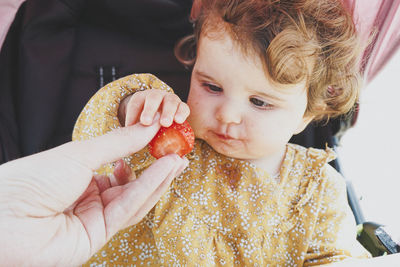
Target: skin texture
point(237, 109)
point(233, 105)
point(144, 105)
point(55, 212)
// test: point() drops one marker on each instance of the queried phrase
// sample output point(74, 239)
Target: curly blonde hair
point(288, 35)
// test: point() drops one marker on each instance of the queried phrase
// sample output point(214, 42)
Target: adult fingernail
point(122, 170)
point(119, 164)
point(179, 119)
point(145, 120)
point(165, 122)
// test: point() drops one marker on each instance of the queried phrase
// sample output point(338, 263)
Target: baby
point(262, 71)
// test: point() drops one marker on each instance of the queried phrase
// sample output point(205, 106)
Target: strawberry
point(177, 138)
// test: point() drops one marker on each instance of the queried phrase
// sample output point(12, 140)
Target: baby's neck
point(271, 164)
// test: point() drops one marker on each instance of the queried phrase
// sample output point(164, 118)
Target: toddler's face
point(237, 110)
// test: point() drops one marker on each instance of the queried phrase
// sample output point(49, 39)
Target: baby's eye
point(260, 103)
point(213, 88)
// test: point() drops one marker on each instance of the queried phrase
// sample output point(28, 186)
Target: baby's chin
point(228, 151)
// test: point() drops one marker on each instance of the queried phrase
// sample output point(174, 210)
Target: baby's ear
point(303, 124)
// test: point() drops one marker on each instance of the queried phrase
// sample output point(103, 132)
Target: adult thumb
point(66, 171)
point(110, 147)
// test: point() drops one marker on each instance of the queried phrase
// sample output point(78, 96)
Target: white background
point(370, 151)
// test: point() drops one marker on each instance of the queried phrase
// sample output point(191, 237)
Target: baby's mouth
point(225, 137)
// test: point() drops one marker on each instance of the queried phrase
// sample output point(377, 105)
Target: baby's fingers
point(182, 113)
point(134, 108)
point(152, 104)
point(143, 106)
point(170, 108)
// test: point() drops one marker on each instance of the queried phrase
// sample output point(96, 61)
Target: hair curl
point(288, 35)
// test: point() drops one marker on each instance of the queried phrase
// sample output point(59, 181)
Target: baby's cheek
point(192, 120)
point(252, 127)
point(193, 99)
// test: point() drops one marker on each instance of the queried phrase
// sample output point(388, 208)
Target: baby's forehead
point(214, 27)
point(247, 54)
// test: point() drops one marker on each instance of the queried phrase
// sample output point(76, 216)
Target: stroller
point(57, 53)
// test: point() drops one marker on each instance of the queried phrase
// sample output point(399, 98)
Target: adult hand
point(55, 212)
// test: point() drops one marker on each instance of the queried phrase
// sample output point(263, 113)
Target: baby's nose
point(229, 112)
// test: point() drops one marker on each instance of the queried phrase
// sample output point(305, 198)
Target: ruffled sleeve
point(334, 236)
point(99, 116)
point(307, 163)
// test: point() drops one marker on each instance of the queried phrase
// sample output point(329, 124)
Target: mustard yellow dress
point(226, 212)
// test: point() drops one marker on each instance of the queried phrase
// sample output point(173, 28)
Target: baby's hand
point(143, 105)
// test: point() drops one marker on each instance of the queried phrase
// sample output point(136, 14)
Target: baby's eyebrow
point(263, 93)
point(204, 75)
point(252, 91)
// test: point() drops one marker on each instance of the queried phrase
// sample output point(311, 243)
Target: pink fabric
point(383, 17)
point(8, 9)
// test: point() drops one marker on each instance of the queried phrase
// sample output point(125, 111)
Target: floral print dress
point(227, 212)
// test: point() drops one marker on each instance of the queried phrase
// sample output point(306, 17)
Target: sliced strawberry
point(178, 139)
